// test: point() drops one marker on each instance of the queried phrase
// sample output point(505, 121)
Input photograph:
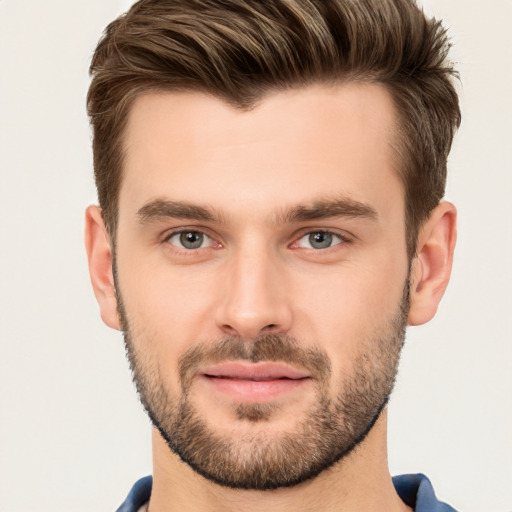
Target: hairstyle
point(240, 50)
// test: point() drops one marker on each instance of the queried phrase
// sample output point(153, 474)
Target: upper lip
point(254, 371)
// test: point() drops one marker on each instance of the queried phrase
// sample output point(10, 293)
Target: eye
point(319, 240)
point(189, 240)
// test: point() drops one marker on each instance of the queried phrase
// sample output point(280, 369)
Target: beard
point(336, 422)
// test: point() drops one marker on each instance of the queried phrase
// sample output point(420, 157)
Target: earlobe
point(99, 256)
point(431, 268)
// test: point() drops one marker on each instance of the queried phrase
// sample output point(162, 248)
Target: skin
point(256, 274)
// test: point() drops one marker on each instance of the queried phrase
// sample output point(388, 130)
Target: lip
point(254, 371)
point(254, 381)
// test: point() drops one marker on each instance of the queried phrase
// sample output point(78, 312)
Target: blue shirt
point(414, 490)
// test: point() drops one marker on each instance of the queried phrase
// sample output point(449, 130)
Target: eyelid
point(189, 229)
point(343, 235)
point(167, 235)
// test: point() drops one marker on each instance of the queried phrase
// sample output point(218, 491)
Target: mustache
point(270, 347)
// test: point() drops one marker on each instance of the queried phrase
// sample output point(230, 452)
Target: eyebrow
point(329, 208)
point(161, 208)
point(321, 209)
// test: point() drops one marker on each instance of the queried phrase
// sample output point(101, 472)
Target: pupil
point(191, 239)
point(320, 240)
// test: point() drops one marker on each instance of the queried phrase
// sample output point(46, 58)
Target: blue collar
point(414, 490)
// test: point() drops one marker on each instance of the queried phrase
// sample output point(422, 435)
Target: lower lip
point(254, 390)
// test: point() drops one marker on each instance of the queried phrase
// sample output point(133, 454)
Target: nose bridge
point(254, 296)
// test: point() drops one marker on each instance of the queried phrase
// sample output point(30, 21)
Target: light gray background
point(72, 434)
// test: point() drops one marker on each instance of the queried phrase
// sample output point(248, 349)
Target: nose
point(255, 297)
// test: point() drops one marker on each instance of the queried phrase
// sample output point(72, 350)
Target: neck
point(361, 481)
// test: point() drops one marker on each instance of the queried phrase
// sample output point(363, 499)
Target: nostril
point(228, 328)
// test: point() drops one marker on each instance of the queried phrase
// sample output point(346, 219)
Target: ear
point(99, 255)
point(431, 268)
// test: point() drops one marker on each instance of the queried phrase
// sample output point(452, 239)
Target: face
point(261, 276)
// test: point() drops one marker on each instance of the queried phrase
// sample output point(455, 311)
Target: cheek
point(162, 294)
point(351, 310)
point(167, 310)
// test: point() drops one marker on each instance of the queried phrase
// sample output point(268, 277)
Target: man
point(270, 177)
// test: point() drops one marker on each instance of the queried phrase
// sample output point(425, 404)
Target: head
point(269, 176)
point(240, 51)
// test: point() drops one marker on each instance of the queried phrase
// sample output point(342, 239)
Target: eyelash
point(343, 239)
point(169, 236)
point(332, 234)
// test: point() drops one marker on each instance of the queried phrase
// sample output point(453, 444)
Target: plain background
point(72, 434)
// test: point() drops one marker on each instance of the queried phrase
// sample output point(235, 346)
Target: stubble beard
point(332, 427)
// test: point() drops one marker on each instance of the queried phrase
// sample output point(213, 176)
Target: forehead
point(293, 147)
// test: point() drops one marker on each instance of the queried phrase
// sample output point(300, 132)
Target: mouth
point(258, 382)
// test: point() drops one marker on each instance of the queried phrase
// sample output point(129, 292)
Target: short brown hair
point(239, 50)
